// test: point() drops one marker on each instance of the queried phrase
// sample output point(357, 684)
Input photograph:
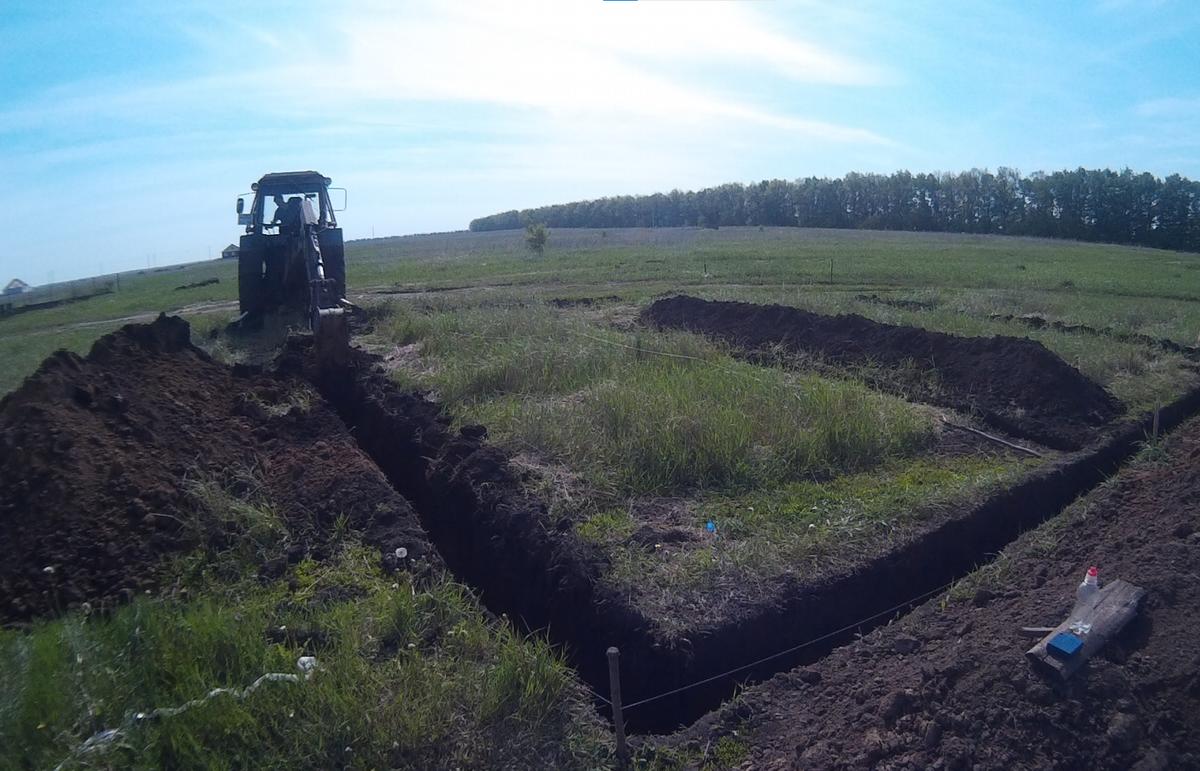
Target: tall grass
point(646, 411)
point(670, 425)
point(408, 678)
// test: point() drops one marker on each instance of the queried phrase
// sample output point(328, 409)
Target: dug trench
point(95, 449)
point(500, 540)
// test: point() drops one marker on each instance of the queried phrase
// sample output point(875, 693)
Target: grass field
point(1132, 290)
point(405, 678)
point(643, 438)
point(700, 475)
point(609, 415)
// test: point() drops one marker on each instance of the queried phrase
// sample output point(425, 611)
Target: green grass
point(803, 529)
point(667, 427)
point(23, 352)
point(641, 437)
point(1135, 290)
point(410, 677)
point(777, 256)
point(646, 412)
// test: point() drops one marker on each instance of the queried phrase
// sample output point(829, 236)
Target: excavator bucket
point(331, 339)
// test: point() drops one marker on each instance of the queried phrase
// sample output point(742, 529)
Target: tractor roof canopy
point(287, 182)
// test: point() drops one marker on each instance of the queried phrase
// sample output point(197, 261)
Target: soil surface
point(1013, 383)
point(100, 457)
point(949, 687)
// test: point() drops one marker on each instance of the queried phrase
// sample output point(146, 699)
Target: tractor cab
point(281, 200)
point(291, 256)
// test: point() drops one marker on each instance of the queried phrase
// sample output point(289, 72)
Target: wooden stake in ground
point(614, 688)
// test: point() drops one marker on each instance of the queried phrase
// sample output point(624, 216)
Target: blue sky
point(128, 129)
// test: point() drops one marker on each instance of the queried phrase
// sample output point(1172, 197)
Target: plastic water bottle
point(1085, 595)
point(1085, 598)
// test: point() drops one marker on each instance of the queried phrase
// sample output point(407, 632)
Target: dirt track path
point(139, 318)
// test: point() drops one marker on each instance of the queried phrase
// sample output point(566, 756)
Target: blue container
point(1064, 645)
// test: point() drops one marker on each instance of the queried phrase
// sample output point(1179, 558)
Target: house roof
point(17, 283)
point(230, 248)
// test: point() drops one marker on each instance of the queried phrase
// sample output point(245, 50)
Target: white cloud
point(587, 59)
point(432, 113)
point(665, 62)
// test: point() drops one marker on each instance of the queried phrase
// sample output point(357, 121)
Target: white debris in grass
point(103, 740)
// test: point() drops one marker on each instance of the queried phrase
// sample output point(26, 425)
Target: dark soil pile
point(1013, 383)
point(949, 687)
point(97, 457)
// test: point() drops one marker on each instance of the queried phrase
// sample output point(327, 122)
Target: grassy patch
point(22, 352)
point(608, 526)
point(646, 412)
point(802, 528)
point(408, 678)
point(234, 528)
point(728, 753)
point(668, 426)
point(1136, 290)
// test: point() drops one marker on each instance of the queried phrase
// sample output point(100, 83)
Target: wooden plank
point(1116, 605)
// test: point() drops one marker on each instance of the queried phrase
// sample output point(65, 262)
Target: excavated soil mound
point(1013, 383)
point(949, 687)
point(100, 457)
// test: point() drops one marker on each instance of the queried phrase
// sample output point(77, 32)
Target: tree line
point(1088, 205)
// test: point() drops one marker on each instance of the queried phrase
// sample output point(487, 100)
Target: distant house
point(230, 252)
point(16, 286)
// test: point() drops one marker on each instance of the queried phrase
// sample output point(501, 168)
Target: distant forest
point(1088, 205)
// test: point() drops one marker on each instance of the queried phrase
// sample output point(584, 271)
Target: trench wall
point(498, 540)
